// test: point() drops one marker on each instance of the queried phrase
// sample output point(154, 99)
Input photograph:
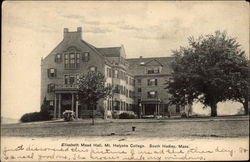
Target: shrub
point(35, 116)
point(127, 115)
point(115, 115)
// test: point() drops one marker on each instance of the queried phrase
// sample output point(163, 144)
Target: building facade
point(138, 83)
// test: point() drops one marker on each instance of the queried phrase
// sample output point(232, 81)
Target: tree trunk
point(245, 104)
point(93, 122)
point(213, 109)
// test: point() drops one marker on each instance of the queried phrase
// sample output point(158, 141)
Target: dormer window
point(153, 70)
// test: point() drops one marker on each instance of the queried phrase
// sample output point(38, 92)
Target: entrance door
point(149, 109)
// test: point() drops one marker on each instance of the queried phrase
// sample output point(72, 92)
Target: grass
point(149, 128)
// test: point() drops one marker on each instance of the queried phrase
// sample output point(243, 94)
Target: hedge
point(35, 116)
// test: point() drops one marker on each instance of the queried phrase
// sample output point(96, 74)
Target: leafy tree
point(92, 88)
point(212, 69)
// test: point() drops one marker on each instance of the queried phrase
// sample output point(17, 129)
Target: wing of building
point(138, 83)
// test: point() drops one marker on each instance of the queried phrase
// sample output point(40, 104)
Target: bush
point(115, 115)
point(35, 116)
point(127, 115)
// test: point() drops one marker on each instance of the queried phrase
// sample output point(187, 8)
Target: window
point(51, 73)
point(66, 61)
point(116, 89)
point(58, 58)
point(115, 74)
point(152, 82)
point(152, 94)
point(71, 79)
point(139, 81)
point(51, 87)
point(77, 78)
point(153, 70)
point(72, 60)
point(177, 108)
point(66, 79)
point(139, 89)
point(51, 103)
point(93, 68)
point(85, 56)
point(109, 72)
point(116, 105)
point(77, 60)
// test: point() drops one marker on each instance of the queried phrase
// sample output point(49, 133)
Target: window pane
point(72, 55)
point(52, 70)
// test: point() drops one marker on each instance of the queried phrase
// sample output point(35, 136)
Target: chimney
point(79, 29)
point(72, 35)
point(140, 57)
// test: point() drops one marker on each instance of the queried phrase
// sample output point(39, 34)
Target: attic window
point(58, 58)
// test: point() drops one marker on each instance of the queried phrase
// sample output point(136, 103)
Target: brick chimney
point(72, 35)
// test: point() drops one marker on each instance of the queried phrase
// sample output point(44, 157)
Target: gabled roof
point(110, 51)
point(137, 65)
point(153, 60)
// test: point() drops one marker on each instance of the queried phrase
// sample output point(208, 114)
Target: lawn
point(148, 128)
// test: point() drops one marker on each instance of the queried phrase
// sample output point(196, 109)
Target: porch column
point(72, 103)
point(76, 106)
point(59, 105)
point(158, 107)
point(55, 107)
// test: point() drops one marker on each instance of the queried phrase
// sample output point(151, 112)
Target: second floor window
point(152, 82)
point(152, 94)
point(115, 73)
point(71, 79)
point(109, 72)
point(139, 89)
point(139, 81)
point(51, 73)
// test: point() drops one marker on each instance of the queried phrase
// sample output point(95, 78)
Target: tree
point(92, 88)
point(208, 70)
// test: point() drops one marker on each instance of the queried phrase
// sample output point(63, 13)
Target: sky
point(31, 30)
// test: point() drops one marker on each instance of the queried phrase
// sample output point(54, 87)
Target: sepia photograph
point(125, 81)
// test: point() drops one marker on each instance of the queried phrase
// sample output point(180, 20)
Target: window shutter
point(155, 81)
point(148, 81)
point(82, 55)
point(55, 72)
point(87, 54)
point(48, 72)
point(48, 88)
